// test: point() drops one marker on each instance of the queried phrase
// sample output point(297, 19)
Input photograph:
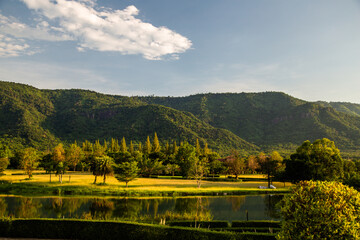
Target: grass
point(75, 183)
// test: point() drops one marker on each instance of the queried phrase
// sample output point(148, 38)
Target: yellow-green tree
point(321, 210)
point(59, 159)
point(29, 160)
point(155, 148)
point(74, 155)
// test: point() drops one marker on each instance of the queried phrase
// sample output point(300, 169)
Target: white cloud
point(42, 31)
point(110, 30)
point(10, 47)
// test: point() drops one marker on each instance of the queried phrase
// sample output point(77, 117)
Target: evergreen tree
point(126, 171)
point(197, 148)
point(175, 148)
point(140, 148)
point(155, 145)
point(131, 148)
point(114, 146)
point(123, 147)
point(147, 147)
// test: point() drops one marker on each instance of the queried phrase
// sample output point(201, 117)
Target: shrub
point(256, 224)
point(321, 210)
point(200, 224)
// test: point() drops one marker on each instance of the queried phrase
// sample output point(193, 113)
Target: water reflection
point(147, 210)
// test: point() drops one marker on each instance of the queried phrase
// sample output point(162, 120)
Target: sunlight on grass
point(139, 184)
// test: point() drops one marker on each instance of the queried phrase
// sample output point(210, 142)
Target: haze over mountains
point(250, 122)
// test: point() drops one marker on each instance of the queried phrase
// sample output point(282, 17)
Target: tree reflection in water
point(236, 202)
point(101, 209)
point(3, 208)
point(28, 208)
point(272, 208)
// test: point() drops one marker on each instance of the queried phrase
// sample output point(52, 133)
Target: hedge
point(85, 229)
point(250, 229)
point(262, 223)
point(200, 224)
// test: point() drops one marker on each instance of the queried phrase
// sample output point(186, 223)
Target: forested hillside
point(246, 121)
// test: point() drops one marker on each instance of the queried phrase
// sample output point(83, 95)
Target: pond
point(230, 208)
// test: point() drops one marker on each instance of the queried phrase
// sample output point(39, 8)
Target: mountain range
point(249, 122)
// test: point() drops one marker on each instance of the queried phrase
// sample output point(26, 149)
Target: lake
point(230, 208)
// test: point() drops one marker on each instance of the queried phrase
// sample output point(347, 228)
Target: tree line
point(320, 160)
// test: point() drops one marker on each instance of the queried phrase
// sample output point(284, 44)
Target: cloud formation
point(104, 29)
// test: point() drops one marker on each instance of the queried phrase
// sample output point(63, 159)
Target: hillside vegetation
point(246, 121)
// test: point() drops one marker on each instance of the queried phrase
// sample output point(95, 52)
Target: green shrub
point(321, 210)
point(200, 224)
point(256, 224)
point(252, 229)
point(81, 229)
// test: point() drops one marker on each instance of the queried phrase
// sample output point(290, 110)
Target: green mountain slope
point(270, 118)
point(44, 117)
point(349, 108)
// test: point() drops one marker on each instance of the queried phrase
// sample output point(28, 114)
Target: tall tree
point(123, 147)
point(320, 160)
point(59, 159)
point(29, 160)
point(270, 165)
point(106, 167)
point(185, 158)
point(155, 148)
point(235, 163)
point(74, 155)
point(147, 146)
point(131, 148)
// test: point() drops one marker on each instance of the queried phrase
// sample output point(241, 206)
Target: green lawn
point(75, 183)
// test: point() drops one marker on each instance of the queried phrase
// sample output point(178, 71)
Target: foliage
point(270, 165)
point(321, 210)
point(4, 163)
point(29, 160)
point(319, 160)
point(126, 171)
point(235, 164)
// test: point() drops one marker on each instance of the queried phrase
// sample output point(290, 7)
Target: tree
point(185, 158)
point(74, 155)
point(319, 160)
point(155, 148)
point(198, 169)
point(106, 166)
point(59, 159)
point(270, 165)
point(235, 163)
point(216, 167)
point(126, 171)
point(48, 164)
point(123, 147)
point(147, 146)
point(95, 165)
point(252, 163)
point(321, 210)
point(29, 160)
point(4, 163)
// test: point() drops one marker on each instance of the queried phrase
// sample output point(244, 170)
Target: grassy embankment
point(75, 183)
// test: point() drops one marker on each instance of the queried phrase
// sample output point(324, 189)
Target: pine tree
point(147, 147)
point(114, 146)
point(175, 148)
point(155, 145)
point(140, 148)
point(131, 148)
point(123, 147)
point(197, 148)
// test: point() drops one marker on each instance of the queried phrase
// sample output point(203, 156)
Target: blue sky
point(308, 49)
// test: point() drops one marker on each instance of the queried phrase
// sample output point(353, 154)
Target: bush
point(256, 224)
point(321, 210)
point(200, 224)
point(81, 229)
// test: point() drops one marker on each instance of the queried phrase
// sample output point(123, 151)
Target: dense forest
point(248, 122)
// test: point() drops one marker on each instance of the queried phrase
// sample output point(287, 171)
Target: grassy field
point(75, 183)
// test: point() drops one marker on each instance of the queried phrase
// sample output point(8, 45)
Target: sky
point(309, 49)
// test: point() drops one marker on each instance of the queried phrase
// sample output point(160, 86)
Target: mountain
point(44, 117)
point(247, 121)
point(349, 108)
point(270, 119)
